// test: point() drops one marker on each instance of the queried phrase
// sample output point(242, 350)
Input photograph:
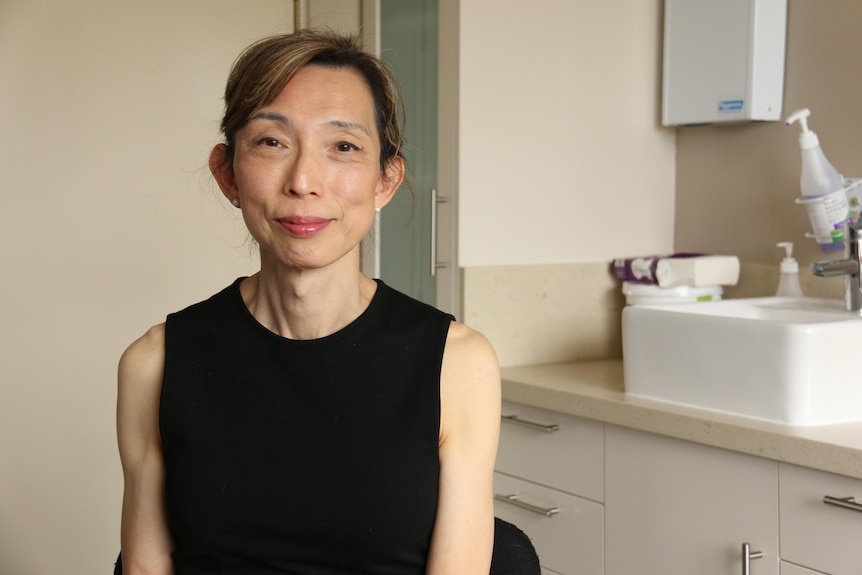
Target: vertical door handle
point(435, 199)
point(747, 556)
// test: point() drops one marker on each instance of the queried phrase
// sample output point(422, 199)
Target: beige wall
point(563, 165)
point(108, 221)
point(562, 157)
point(736, 185)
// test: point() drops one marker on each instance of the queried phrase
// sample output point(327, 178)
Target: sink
point(795, 361)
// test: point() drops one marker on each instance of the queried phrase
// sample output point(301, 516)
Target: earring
point(235, 202)
point(377, 210)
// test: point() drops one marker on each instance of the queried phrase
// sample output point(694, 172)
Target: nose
point(305, 174)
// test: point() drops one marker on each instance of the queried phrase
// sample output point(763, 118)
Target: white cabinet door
point(567, 531)
point(677, 508)
point(815, 534)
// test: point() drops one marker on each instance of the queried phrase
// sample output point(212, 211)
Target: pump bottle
point(820, 179)
point(788, 285)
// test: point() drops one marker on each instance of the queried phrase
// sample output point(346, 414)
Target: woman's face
point(306, 169)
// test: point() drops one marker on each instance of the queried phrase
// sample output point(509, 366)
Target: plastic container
point(649, 294)
point(822, 188)
point(788, 284)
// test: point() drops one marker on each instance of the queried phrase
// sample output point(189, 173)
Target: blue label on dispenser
point(730, 106)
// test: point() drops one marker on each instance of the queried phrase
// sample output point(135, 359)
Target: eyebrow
point(341, 124)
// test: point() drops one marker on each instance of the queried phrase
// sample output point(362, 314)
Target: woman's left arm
point(463, 535)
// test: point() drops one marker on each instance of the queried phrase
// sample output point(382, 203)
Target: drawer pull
point(845, 502)
point(513, 500)
point(531, 424)
point(747, 556)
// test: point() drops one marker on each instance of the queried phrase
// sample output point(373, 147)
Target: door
point(408, 43)
point(677, 508)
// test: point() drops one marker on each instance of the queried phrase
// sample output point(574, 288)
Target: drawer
point(814, 534)
point(791, 569)
point(570, 541)
point(557, 450)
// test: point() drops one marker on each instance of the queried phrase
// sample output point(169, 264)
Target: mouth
point(303, 226)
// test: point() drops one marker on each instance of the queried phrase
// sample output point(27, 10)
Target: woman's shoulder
point(469, 349)
point(469, 389)
point(144, 358)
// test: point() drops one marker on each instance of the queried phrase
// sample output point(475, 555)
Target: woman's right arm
point(144, 536)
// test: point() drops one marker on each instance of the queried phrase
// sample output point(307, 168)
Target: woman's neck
point(307, 304)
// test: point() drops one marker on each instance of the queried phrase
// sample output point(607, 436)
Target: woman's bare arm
point(145, 539)
point(463, 536)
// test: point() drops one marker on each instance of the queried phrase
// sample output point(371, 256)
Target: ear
point(392, 178)
point(221, 167)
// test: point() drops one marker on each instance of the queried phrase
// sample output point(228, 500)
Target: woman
point(308, 419)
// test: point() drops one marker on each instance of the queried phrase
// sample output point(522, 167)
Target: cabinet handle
point(531, 424)
point(747, 556)
point(513, 500)
point(845, 502)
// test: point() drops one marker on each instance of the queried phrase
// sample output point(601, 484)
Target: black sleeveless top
point(316, 456)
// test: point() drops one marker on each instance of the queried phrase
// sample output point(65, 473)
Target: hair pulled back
point(263, 69)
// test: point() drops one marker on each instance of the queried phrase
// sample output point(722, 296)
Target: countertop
point(595, 390)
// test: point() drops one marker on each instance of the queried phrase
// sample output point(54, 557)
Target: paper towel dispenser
point(723, 61)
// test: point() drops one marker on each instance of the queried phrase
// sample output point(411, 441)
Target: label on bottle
point(828, 214)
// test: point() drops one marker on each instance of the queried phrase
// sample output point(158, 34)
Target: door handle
point(435, 200)
point(747, 556)
point(551, 428)
point(514, 500)
point(845, 502)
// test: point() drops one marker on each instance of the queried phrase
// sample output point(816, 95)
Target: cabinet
point(549, 481)
point(816, 534)
point(602, 499)
point(674, 508)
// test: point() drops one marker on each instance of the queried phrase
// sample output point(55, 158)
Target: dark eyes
point(345, 147)
point(275, 143)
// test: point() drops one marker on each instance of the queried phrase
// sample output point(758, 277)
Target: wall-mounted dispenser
point(723, 60)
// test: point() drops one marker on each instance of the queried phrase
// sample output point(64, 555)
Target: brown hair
point(264, 68)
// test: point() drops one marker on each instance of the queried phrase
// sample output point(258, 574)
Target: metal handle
point(531, 424)
point(435, 199)
point(845, 502)
point(513, 500)
point(747, 556)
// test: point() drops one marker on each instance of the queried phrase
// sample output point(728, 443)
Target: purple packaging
point(642, 269)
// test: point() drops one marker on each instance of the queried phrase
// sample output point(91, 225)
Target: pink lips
point(303, 226)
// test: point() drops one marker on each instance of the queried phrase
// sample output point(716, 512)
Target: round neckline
point(236, 295)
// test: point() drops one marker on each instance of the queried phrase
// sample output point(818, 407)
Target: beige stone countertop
point(595, 390)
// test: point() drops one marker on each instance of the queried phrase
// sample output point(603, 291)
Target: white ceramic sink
point(796, 361)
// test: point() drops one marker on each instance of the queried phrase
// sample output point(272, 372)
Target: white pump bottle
point(819, 177)
point(788, 284)
point(822, 189)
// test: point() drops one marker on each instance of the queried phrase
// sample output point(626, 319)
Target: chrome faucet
point(849, 267)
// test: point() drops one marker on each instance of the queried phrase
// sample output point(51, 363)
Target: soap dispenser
point(819, 177)
point(788, 285)
point(822, 188)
